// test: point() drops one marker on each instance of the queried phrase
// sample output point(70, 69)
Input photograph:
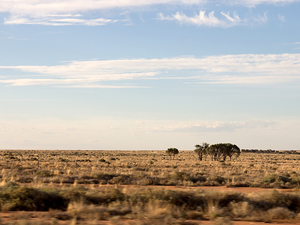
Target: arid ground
point(148, 187)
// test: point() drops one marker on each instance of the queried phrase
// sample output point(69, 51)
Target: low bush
point(44, 173)
point(272, 178)
point(280, 213)
point(30, 199)
point(273, 199)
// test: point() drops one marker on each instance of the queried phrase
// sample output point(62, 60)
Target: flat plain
point(148, 187)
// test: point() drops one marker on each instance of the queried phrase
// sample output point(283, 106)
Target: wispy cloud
point(210, 20)
point(216, 126)
point(253, 3)
point(76, 81)
point(202, 19)
point(226, 69)
point(77, 12)
point(261, 18)
point(57, 20)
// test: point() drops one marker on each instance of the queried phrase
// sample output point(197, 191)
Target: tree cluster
point(217, 152)
point(172, 152)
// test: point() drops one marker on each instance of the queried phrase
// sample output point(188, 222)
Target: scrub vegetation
point(147, 187)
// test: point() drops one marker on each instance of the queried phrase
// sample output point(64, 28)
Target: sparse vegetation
point(84, 187)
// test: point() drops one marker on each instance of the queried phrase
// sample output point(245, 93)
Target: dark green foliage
point(217, 152)
point(277, 199)
point(97, 197)
point(74, 194)
point(172, 152)
point(201, 150)
point(30, 199)
point(190, 200)
point(105, 196)
point(271, 178)
point(223, 150)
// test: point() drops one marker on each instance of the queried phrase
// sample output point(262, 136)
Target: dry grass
point(76, 182)
point(147, 168)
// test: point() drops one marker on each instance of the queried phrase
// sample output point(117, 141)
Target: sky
point(149, 74)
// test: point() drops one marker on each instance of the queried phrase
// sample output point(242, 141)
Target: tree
point(201, 150)
point(172, 152)
point(223, 150)
point(233, 150)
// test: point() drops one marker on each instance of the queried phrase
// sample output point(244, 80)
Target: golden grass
point(146, 168)
point(92, 182)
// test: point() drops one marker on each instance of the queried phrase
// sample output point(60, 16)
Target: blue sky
point(149, 74)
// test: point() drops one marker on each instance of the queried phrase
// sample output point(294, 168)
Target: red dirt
point(217, 188)
point(7, 217)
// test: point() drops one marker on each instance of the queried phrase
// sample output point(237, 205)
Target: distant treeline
point(271, 151)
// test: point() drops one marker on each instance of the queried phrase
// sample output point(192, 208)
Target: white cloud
point(253, 3)
point(216, 126)
point(58, 20)
point(211, 20)
point(64, 12)
point(43, 12)
point(50, 7)
point(261, 19)
point(234, 69)
point(83, 81)
point(202, 19)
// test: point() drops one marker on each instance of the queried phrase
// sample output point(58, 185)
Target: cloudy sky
point(149, 74)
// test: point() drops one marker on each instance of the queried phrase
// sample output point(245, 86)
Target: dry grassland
point(133, 187)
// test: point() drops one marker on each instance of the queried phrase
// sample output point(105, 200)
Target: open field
point(147, 187)
point(148, 168)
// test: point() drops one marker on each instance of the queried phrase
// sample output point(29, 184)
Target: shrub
point(271, 178)
point(105, 196)
point(31, 199)
point(280, 213)
point(104, 176)
point(240, 209)
point(122, 179)
point(43, 173)
point(275, 199)
point(222, 221)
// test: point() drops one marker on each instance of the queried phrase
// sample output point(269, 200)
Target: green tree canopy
point(218, 151)
point(172, 152)
point(201, 150)
point(221, 151)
